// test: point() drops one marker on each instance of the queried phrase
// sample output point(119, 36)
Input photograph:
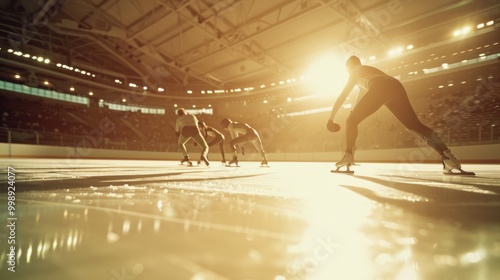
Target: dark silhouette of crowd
point(461, 118)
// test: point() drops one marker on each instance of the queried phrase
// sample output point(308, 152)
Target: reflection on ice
point(169, 222)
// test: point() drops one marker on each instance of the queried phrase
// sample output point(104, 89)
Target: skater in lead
point(242, 133)
point(377, 89)
point(186, 127)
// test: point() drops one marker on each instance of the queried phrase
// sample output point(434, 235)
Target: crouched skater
point(186, 127)
point(242, 133)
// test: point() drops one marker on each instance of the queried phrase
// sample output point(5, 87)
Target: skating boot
point(450, 163)
point(204, 160)
point(264, 163)
point(223, 161)
point(186, 159)
point(234, 160)
point(347, 160)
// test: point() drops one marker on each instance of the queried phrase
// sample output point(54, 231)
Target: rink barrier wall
point(471, 154)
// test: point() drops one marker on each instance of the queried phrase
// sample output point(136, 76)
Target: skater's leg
point(213, 142)
point(257, 143)
point(221, 147)
point(401, 108)
point(369, 104)
point(182, 144)
point(219, 139)
point(239, 141)
point(198, 138)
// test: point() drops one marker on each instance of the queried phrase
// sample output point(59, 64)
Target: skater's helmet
point(181, 112)
point(225, 122)
point(352, 62)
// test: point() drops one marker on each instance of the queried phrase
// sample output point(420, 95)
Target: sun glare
point(326, 76)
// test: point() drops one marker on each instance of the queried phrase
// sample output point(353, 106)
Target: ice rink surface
point(148, 220)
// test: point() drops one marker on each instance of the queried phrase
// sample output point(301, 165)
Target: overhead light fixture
point(395, 51)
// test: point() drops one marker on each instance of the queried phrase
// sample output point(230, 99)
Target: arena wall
point(472, 154)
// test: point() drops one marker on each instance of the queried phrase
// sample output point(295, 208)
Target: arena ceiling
point(182, 45)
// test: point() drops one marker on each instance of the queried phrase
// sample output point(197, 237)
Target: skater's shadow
point(445, 203)
point(491, 188)
point(119, 180)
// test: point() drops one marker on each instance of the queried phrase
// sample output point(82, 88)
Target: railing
point(478, 135)
point(30, 137)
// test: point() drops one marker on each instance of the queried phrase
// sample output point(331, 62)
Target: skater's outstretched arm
point(342, 97)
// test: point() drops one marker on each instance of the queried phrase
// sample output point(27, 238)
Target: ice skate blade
point(459, 173)
point(347, 171)
point(342, 171)
point(204, 164)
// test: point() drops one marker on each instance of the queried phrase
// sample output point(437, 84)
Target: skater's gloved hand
point(332, 127)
